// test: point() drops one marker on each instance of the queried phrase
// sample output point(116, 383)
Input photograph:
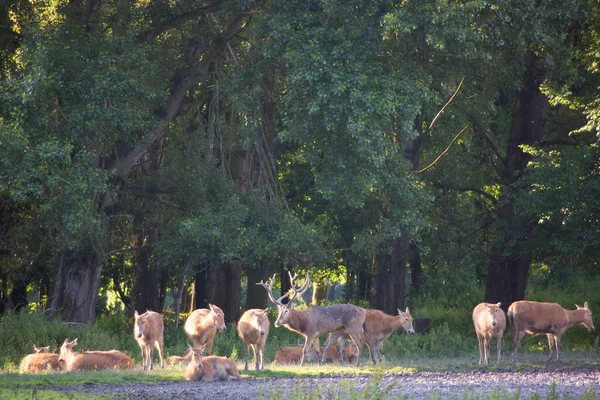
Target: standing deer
point(209, 368)
point(549, 318)
point(202, 324)
point(92, 360)
point(317, 320)
point(253, 328)
point(39, 361)
point(489, 321)
point(148, 332)
point(378, 327)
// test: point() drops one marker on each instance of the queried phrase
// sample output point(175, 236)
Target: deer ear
point(406, 309)
point(66, 341)
point(136, 315)
point(266, 310)
point(585, 305)
point(578, 307)
point(202, 349)
point(499, 304)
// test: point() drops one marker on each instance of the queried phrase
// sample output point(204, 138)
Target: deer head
point(284, 309)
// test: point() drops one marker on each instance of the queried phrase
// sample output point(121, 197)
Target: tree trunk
point(256, 296)
point(416, 270)
point(319, 291)
point(200, 298)
point(228, 289)
point(145, 294)
point(77, 286)
point(508, 267)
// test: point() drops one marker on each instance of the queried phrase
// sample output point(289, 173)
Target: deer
point(253, 328)
point(490, 322)
point(292, 355)
point(340, 352)
point(378, 327)
point(549, 318)
point(202, 325)
point(91, 360)
point(39, 361)
point(316, 320)
point(209, 368)
point(185, 359)
point(148, 332)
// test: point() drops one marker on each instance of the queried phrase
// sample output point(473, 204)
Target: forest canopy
point(173, 154)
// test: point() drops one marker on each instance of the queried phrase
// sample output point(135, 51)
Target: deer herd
point(348, 328)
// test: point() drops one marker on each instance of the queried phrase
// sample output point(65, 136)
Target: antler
point(269, 288)
point(300, 290)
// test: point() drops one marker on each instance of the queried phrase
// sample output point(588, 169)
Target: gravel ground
point(419, 385)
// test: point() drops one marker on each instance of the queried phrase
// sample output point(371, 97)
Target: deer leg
point(499, 346)
point(255, 352)
point(150, 354)
point(550, 345)
point(486, 349)
point(516, 339)
point(355, 337)
point(307, 344)
point(159, 348)
point(333, 337)
point(259, 355)
point(247, 346)
point(480, 345)
point(557, 340)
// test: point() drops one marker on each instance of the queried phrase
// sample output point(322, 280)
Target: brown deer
point(202, 325)
point(378, 327)
point(292, 355)
point(317, 320)
point(182, 360)
point(92, 360)
point(549, 318)
point(39, 361)
point(490, 322)
point(148, 332)
point(253, 328)
point(348, 353)
point(209, 368)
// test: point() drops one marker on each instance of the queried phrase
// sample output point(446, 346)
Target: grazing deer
point(549, 318)
point(317, 320)
point(91, 360)
point(253, 328)
point(39, 361)
point(209, 368)
point(378, 327)
point(148, 332)
point(490, 322)
point(202, 324)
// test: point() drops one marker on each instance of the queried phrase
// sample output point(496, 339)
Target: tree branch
point(172, 107)
point(444, 152)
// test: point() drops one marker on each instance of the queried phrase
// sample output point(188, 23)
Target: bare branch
point(445, 151)
point(447, 104)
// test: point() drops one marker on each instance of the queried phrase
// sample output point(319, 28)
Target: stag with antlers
point(317, 320)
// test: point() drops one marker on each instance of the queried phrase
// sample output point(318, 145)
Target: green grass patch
point(35, 394)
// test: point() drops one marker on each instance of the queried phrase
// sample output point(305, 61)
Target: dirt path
point(420, 385)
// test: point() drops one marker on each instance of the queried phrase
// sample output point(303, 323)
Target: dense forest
point(169, 154)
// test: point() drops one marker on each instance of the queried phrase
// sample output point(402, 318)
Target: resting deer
point(317, 320)
point(209, 368)
point(92, 360)
point(39, 361)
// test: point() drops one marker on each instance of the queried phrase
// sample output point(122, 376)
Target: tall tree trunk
point(226, 280)
point(146, 277)
point(256, 296)
point(319, 291)
point(77, 286)
point(508, 267)
point(416, 270)
point(200, 298)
